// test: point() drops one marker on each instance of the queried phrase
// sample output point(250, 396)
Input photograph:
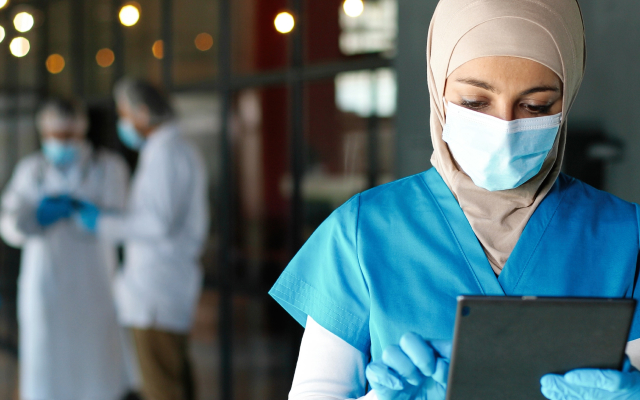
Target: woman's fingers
point(395, 358)
point(608, 380)
point(381, 376)
point(441, 375)
point(555, 387)
point(410, 363)
point(442, 347)
point(434, 390)
point(420, 352)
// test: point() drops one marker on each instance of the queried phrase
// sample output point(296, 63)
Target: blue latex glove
point(592, 384)
point(87, 216)
point(414, 370)
point(52, 209)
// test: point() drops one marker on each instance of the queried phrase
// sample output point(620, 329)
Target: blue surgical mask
point(60, 153)
point(129, 135)
point(499, 154)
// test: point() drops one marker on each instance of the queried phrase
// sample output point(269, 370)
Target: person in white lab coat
point(163, 229)
point(69, 338)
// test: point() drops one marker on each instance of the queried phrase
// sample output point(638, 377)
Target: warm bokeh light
point(2, 34)
point(19, 46)
point(158, 49)
point(3, 3)
point(23, 22)
point(284, 22)
point(204, 41)
point(353, 8)
point(55, 63)
point(129, 14)
point(105, 57)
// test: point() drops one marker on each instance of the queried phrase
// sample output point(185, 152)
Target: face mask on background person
point(498, 154)
point(60, 153)
point(129, 135)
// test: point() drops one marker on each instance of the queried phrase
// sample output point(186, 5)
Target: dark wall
point(413, 145)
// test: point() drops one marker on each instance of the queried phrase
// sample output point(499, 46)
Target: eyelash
point(473, 105)
point(537, 109)
point(479, 105)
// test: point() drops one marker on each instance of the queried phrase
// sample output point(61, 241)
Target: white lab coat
point(164, 230)
point(69, 339)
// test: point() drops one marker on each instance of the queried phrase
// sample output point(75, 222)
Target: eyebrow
point(478, 83)
point(487, 86)
point(540, 89)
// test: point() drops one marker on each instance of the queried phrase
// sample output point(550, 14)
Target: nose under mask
point(498, 154)
point(60, 153)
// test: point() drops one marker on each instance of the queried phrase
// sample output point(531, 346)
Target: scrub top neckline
point(490, 284)
point(519, 260)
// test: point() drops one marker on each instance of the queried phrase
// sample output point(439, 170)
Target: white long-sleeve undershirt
point(331, 369)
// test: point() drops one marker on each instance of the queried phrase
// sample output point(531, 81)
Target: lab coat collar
point(162, 133)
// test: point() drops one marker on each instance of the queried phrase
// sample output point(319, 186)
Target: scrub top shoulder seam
point(444, 217)
point(544, 231)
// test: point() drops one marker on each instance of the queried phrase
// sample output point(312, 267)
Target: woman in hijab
point(493, 217)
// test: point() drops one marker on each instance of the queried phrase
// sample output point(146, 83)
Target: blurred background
point(296, 105)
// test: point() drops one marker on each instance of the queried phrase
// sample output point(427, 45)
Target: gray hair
point(62, 114)
point(138, 92)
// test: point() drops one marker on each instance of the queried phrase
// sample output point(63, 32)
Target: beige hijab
point(550, 32)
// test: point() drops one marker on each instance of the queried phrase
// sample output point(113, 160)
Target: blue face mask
point(498, 154)
point(60, 153)
point(129, 135)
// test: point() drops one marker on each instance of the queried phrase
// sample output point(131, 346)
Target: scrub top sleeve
point(325, 282)
point(635, 325)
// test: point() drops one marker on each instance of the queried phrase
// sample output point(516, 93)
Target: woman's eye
point(537, 109)
point(473, 105)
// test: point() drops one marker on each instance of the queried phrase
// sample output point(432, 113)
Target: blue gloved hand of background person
point(414, 370)
point(88, 215)
point(51, 209)
point(592, 384)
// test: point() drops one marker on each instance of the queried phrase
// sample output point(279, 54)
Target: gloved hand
point(592, 384)
point(52, 209)
point(87, 216)
point(414, 370)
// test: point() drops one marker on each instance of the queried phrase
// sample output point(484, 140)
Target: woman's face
point(505, 87)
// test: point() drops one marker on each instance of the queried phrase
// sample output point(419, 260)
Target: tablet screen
point(503, 345)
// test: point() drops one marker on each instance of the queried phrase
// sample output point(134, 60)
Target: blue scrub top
point(394, 259)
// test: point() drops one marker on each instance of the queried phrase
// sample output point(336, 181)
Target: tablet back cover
point(504, 345)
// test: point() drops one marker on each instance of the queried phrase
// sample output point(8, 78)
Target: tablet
point(502, 346)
